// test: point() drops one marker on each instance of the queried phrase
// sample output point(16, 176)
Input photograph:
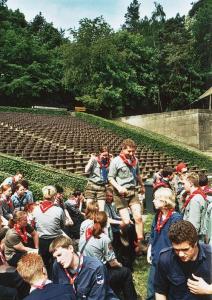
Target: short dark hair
point(203, 179)
point(167, 171)
point(59, 188)
point(18, 186)
point(25, 183)
point(77, 193)
point(183, 231)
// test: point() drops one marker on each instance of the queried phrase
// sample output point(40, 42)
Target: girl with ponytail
point(94, 242)
point(91, 211)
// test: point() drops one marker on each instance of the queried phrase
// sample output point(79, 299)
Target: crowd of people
point(84, 247)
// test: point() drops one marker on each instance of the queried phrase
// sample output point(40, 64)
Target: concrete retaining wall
point(192, 127)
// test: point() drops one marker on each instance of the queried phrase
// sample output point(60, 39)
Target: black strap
point(83, 247)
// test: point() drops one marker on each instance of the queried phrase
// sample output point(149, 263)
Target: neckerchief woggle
point(131, 163)
point(104, 164)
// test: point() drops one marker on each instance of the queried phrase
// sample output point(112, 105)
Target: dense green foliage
point(30, 60)
point(149, 65)
point(40, 111)
point(39, 175)
point(152, 141)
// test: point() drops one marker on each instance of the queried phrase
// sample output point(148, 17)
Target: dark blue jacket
point(53, 292)
point(91, 282)
point(160, 240)
point(170, 280)
point(20, 203)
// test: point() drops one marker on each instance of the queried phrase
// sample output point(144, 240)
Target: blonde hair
point(61, 241)
point(91, 210)
point(168, 196)
point(30, 267)
point(49, 191)
point(17, 216)
point(193, 178)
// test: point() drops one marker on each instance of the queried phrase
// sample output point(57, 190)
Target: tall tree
point(31, 69)
point(132, 17)
point(201, 26)
point(90, 30)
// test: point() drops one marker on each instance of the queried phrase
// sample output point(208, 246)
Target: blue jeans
point(150, 284)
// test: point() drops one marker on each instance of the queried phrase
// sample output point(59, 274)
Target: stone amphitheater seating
point(66, 142)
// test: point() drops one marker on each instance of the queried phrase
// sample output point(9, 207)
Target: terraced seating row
point(65, 142)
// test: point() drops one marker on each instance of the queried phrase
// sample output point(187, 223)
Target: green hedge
point(40, 111)
point(41, 175)
point(152, 141)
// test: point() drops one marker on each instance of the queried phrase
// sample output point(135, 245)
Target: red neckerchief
point(88, 233)
point(160, 224)
point(21, 232)
point(72, 279)
point(157, 185)
point(196, 192)
point(207, 190)
point(130, 163)
point(9, 202)
point(40, 286)
point(45, 205)
point(101, 164)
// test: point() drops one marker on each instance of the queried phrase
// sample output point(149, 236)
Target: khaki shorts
point(95, 192)
point(126, 201)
